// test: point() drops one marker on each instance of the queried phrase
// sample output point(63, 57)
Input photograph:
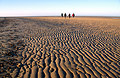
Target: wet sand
point(55, 47)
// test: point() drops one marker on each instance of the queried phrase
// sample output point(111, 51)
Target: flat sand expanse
point(55, 47)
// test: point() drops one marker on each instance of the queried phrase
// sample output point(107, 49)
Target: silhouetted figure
point(61, 14)
point(73, 15)
point(65, 15)
point(69, 15)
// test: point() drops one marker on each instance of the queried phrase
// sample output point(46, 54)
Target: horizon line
point(60, 16)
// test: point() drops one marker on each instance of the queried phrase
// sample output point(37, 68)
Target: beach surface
point(55, 47)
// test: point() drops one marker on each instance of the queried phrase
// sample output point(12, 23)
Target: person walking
point(65, 15)
point(61, 14)
point(73, 15)
point(69, 15)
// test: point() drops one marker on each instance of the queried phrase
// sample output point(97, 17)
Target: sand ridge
point(67, 48)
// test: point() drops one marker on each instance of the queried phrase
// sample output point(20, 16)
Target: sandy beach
point(55, 47)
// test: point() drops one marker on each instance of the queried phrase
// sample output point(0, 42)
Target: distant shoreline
point(60, 16)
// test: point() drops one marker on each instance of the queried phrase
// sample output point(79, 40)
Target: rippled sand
point(55, 47)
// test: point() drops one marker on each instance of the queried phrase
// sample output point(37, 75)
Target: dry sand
point(55, 47)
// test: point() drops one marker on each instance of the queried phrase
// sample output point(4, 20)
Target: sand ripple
point(59, 48)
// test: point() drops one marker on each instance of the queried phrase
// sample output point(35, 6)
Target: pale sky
point(56, 7)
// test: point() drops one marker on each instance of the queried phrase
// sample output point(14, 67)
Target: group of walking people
point(69, 15)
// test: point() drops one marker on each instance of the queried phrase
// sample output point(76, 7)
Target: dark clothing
point(65, 15)
point(69, 15)
point(61, 14)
